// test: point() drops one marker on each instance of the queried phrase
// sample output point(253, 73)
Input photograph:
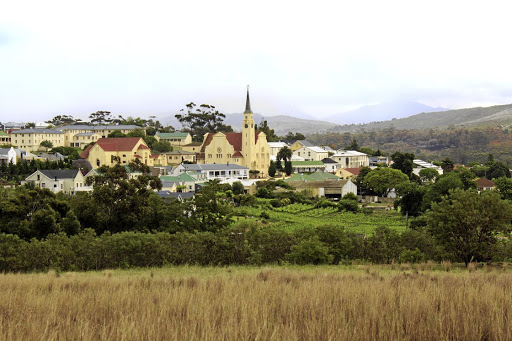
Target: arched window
point(98, 162)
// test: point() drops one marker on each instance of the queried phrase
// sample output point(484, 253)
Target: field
point(296, 216)
point(358, 302)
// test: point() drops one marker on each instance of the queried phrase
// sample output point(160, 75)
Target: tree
point(359, 181)
point(310, 251)
point(294, 137)
point(61, 120)
point(272, 169)
point(101, 117)
point(205, 119)
point(271, 136)
point(288, 168)
point(411, 198)
point(254, 173)
point(403, 162)
point(441, 187)
point(497, 170)
point(447, 165)
point(123, 201)
point(284, 154)
point(428, 175)
point(46, 144)
point(353, 145)
point(238, 188)
point(382, 180)
point(161, 146)
point(467, 223)
point(30, 125)
point(504, 187)
point(116, 133)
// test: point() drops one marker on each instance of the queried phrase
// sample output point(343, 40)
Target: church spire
point(248, 103)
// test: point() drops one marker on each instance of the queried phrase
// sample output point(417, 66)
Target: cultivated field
point(296, 303)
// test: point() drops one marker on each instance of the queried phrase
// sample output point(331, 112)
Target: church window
point(229, 156)
point(219, 156)
point(210, 156)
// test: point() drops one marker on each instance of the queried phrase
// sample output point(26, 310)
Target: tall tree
point(447, 165)
point(271, 135)
point(403, 162)
point(101, 117)
point(272, 169)
point(382, 180)
point(467, 223)
point(61, 120)
point(202, 120)
point(284, 154)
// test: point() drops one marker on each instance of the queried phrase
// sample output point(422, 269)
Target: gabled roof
point(60, 174)
point(354, 171)
point(179, 152)
point(305, 143)
point(38, 131)
point(113, 144)
point(234, 139)
point(327, 160)
point(317, 149)
point(483, 182)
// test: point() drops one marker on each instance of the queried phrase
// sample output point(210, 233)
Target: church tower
point(248, 135)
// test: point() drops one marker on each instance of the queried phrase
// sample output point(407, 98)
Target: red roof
point(238, 154)
point(354, 171)
point(138, 156)
point(143, 146)
point(114, 144)
point(154, 156)
point(483, 182)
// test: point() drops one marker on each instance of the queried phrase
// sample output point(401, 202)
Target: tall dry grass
point(258, 304)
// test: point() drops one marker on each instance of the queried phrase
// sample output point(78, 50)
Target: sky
point(300, 58)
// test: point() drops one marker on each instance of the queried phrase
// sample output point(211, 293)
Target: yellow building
point(110, 151)
point(177, 140)
point(30, 139)
point(248, 148)
point(82, 135)
point(4, 138)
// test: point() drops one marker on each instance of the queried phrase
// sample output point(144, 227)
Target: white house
point(313, 153)
point(8, 155)
point(351, 159)
point(420, 164)
point(331, 166)
point(68, 181)
point(221, 171)
point(275, 147)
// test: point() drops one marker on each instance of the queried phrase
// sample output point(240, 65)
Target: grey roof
point(60, 173)
point(327, 160)
point(85, 134)
point(212, 166)
point(99, 127)
point(306, 143)
point(37, 131)
point(175, 195)
point(180, 152)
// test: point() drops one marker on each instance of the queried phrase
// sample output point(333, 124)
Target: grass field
point(290, 303)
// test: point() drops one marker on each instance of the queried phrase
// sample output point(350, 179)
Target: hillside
point(281, 124)
point(470, 117)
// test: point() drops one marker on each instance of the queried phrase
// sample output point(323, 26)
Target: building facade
point(82, 135)
point(30, 139)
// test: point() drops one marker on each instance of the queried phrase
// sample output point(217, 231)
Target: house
point(30, 139)
point(68, 181)
point(81, 135)
point(215, 171)
point(420, 164)
point(312, 153)
point(248, 148)
point(193, 147)
point(110, 151)
point(331, 188)
point(182, 182)
point(348, 173)
point(178, 156)
point(307, 166)
point(374, 160)
point(275, 147)
point(351, 159)
point(168, 195)
point(318, 176)
point(177, 139)
point(331, 166)
point(249, 184)
point(300, 144)
point(483, 184)
point(4, 138)
point(8, 155)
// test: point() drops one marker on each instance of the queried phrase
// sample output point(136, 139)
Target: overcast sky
point(316, 58)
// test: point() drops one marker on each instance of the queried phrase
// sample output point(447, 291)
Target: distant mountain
point(281, 124)
point(470, 117)
point(382, 112)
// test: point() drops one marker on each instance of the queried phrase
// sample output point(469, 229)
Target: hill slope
point(470, 117)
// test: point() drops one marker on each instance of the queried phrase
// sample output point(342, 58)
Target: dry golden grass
point(324, 303)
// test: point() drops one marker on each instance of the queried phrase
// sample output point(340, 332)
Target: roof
point(193, 144)
point(179, 152)
point(177, 135)
point(60, 173)
point(112, 144)
point(327, 160)
point(38, 131)
point(277, 144)
point(349, 153)
point(212, 166)
point(234, 139)
point(483, 182)
point(317, 149)
point(3, 133)
point(100, 127)
point(86, 134)
point(339, 183)
point(181, 177)
point(305, 143)
point(424, 164)
point(175, 195)
point(307, 163)
point(354, 171)
point(316, 176)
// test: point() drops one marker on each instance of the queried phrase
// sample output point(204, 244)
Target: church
point(248, 148)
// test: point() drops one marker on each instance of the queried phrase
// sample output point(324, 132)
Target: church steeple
point(248, 103)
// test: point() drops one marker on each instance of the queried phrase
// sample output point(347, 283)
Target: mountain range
point(399, 115)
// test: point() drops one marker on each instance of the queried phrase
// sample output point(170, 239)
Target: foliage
point(271, 136)
point(467, 223)
point(411, 198)
point(403, 162)
point(46, 144)
point(293, 137)
point(161, 146)
point(447, 165)
point(101, 117)
point(310, 251)
point(288, 168)
point(61, 120)
point(497, 170)
point(383, 180)
point(272, 169)
point(428, 175)
point(504, 187)
point(238, 188)
point(202, 120)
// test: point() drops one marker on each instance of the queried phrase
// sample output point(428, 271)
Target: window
point(43, 185)
point(209, 156)
point(219, 156)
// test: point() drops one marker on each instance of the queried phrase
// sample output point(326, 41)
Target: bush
point(310, 251)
